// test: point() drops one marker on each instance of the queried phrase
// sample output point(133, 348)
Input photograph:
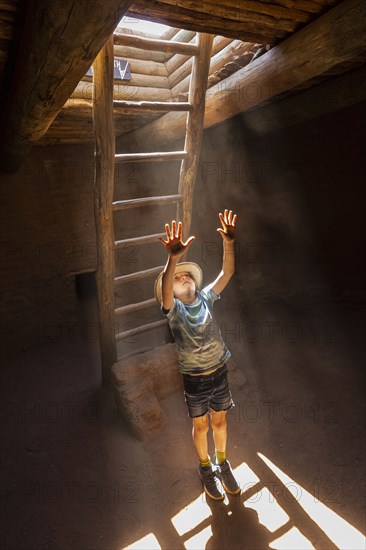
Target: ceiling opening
point(135, 24)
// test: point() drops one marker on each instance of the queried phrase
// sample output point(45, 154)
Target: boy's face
point(184, 287)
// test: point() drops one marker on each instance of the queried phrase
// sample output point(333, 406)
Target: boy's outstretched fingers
point(179, 235)
point(188, 241)
point(168, 234)
point(228, 222)
point(229, 218)
point(173, 241)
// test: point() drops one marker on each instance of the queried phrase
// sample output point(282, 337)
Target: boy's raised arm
point(175, 248)
point(228, 222)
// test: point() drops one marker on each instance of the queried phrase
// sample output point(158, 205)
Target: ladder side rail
point(103, 197)
point(194, 130)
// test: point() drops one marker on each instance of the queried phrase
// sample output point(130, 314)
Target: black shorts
point(207, 391)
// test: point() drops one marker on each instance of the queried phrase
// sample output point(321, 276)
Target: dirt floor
point(75, 478)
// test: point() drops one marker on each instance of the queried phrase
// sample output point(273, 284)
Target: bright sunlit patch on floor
point(197, 511)
point(150, 542)
point(270, 513)
point(292, 540)
point(245, 476)
point(199, 540)
point(191, 516)
point(339, 531)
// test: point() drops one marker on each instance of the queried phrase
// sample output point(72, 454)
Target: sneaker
point(211, 482)
point(227, 477)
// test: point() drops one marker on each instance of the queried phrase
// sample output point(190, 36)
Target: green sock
point(206, 462)
point(220, 456)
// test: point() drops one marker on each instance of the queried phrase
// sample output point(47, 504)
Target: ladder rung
point(136, 306)
point(153, 106)
point(146, 157)
point(141, 329)
point(146, 201)
point(138, 275)
point(153, 44)
point(139, 240)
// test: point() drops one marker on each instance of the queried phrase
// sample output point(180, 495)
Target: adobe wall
point(298, 194)
point(47, 233)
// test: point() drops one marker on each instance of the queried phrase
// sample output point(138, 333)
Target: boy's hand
point(228, 222)
point(174, 244)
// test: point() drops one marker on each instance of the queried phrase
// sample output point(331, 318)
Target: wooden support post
point(103, 187)
point(194, 130)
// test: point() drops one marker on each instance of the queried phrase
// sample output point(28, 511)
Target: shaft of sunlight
point(337, 529)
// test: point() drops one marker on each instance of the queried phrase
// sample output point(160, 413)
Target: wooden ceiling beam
point(329, 46)
point(59, 43)
point(179, 80)
point(166, 46)
point(169, 33)
point(139, 66)
point(327, 97)
point(129, 52)
point(261, 13)
point(84, 90)
point(142, 55)
point(139, 80)
point(249, 21)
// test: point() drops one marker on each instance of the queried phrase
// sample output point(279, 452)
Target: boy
point(201, 350)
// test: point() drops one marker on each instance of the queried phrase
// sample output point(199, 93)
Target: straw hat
point(193, 269)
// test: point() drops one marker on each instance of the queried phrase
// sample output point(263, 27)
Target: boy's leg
point(199, 434)
point(206, 471)
point(219, 428)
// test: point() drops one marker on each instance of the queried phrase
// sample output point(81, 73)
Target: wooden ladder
point(105, 159)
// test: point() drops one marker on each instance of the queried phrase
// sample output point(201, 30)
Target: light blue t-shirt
point(198, 338)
